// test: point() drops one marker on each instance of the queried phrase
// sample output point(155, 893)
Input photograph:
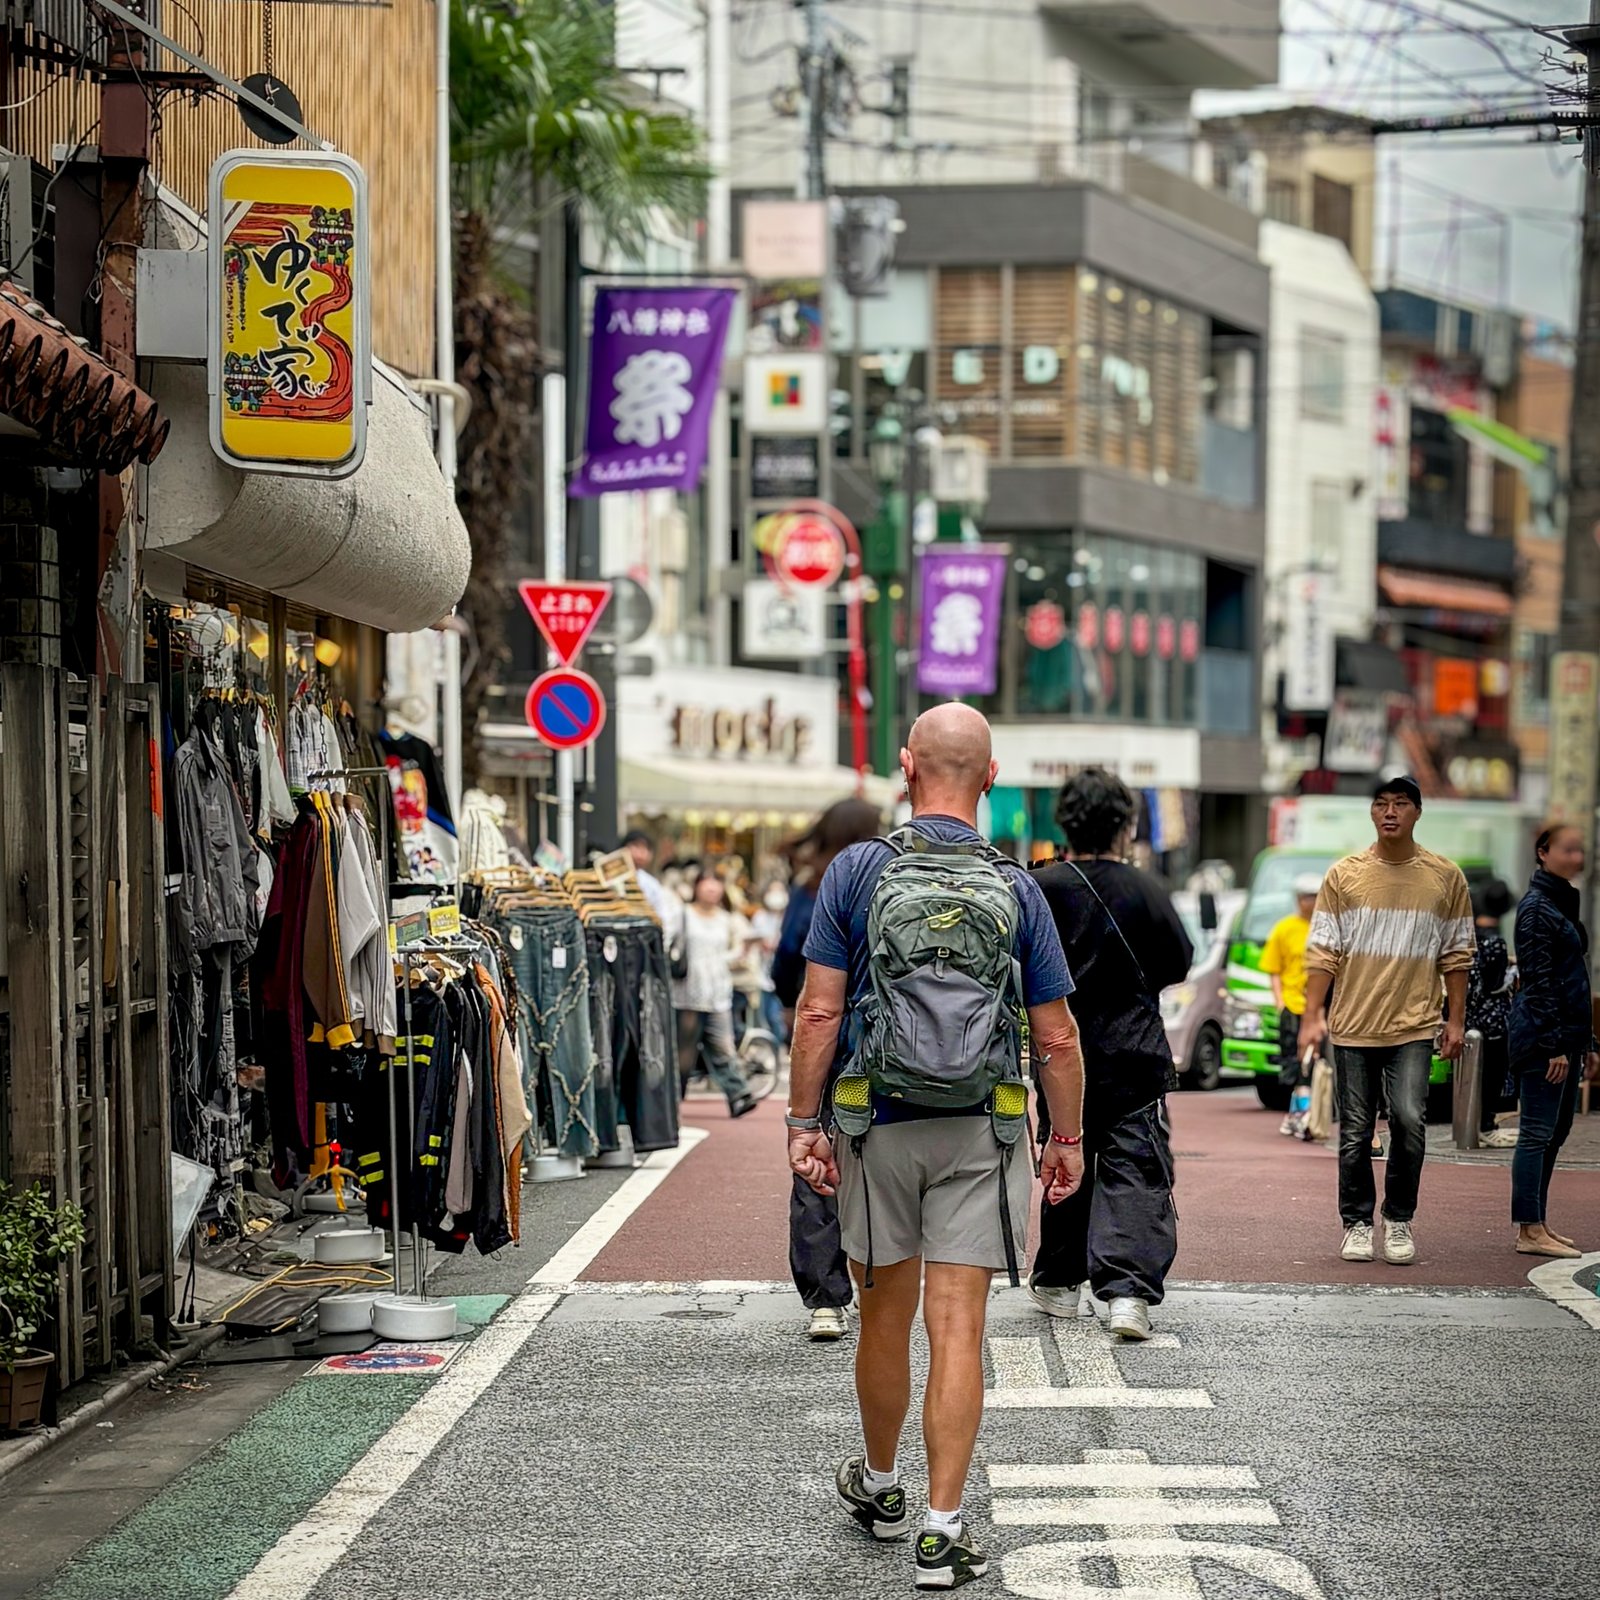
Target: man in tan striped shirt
point(1389, 924)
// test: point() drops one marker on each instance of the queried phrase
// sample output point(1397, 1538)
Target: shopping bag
point(1319, 1125)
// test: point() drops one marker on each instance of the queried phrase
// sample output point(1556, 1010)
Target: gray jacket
point(221, 875)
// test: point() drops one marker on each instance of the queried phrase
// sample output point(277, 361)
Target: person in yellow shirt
point(1283, 959)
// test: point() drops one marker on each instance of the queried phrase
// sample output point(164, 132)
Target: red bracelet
point(1066, 1138)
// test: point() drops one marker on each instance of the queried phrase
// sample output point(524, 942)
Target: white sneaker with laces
point(1130, 1318)
point(1066, 1301)
point(828, 1323)
point(1399, 1248)
point(1357, 1242)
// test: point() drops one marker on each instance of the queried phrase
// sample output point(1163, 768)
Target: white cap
point(1309, 883)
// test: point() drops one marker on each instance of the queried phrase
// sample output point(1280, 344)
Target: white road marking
point(1094, 1379)
point(1121, 1475)
point(575, 1257)
point(1146, 1568)
point(294, 1567)
point(1112, 1511)
point(297, 1563)
point(1558, 1281)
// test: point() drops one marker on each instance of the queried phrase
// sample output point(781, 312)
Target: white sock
point(943, 1521)
point(877, 1482)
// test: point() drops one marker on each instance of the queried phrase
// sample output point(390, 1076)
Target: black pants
point(1495, 1068)
point(816, 1258)
point(1119, 1231)
point(1400, 1074)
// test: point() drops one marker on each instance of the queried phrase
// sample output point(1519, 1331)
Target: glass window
point(1105, 628)
point(1327, 523)
point(1532, 679)
point(971, 350)
point(1321, 375)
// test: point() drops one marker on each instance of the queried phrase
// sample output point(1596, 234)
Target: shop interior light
point(327, 652)
point(723, 819)
point(772, 819)
point(692, 819)
point(258, 643)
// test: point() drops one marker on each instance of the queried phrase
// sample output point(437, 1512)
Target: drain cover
point(697, 1314)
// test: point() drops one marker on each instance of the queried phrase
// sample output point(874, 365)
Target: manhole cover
point(697, 1314)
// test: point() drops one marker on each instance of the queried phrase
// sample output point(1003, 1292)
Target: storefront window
point(1105, 628)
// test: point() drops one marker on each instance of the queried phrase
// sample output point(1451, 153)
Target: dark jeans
point(710, 1033)
point(816, 1258)
point(1118, 1231)
point(1400, 1074)
point(1546, 1121)
point(1289, 1068)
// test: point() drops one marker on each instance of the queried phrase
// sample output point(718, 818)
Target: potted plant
point(34, 1238)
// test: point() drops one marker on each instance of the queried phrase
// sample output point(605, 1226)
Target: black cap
point(636, 836)
point(1405, 784)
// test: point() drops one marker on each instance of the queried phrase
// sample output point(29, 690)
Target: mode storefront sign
point(289, 363)
point(771, 718)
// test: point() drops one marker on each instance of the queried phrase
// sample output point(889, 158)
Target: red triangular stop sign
point(566, 613)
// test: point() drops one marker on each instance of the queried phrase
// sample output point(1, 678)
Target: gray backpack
point(941, 1026)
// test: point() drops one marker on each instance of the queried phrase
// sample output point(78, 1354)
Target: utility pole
point(1575, 671)
point(816, 82)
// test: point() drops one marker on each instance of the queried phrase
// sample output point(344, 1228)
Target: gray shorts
point(934, 1187)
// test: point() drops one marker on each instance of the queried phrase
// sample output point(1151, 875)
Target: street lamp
point(887, 453)
point(885, 553)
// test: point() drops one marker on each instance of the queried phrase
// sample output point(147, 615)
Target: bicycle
point(760, 1058)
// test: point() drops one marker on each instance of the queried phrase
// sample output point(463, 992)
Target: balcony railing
point(1422, 546)
point(1227, 692)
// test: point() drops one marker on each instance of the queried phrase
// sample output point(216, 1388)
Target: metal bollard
point(1467, 1083)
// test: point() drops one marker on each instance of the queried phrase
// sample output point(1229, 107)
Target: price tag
point(444, 922)
point(558, 958)
point(516, 937)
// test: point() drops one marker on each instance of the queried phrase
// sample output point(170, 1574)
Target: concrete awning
point(384, 546)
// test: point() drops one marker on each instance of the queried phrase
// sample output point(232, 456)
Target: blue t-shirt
point(838, 936)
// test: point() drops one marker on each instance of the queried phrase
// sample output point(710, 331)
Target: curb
point(1558, 1281)
point(34, 1444)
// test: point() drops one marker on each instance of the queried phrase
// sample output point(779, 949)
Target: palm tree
point(540, 119)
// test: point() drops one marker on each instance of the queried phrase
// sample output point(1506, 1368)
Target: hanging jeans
point(1118, 1231)
point(1546, 1121)
point(550, 958)
point(710, 1034)
point(628, 968)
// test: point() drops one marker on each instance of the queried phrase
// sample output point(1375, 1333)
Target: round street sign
point(566, 709)
point(809, 553)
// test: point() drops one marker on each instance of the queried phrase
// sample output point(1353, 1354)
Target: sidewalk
point(1581, 1152)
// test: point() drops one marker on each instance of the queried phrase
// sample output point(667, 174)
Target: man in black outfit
point(1118, 1234)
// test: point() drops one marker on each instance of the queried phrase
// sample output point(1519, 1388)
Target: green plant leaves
point(35, 1237)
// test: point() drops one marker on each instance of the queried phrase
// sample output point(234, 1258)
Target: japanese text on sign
point(288, 268)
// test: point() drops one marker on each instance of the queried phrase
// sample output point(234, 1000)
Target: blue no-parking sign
point(566, 709)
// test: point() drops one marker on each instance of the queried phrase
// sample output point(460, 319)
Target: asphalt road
point(633, 1424)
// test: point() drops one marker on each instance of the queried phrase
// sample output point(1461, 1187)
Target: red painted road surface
point(1253, 1208)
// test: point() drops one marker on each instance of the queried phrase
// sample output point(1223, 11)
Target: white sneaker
point(1399, 1248)
point(1357, 1242)
point(1065, 1301)
point(1500, 1139)
point(828, 1323)
point(1130, 1318)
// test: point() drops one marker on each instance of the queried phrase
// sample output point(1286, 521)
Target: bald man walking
point(932, 1197)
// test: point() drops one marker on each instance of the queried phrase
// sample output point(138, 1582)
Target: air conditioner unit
point(22, 217)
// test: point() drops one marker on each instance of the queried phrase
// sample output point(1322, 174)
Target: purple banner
point(654, 362)
point(962, 590)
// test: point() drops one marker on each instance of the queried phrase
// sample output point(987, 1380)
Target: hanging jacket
point(220, 874)
point(1552, 1014)
point(323, 967)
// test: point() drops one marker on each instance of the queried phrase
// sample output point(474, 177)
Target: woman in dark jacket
point(1551, 1032)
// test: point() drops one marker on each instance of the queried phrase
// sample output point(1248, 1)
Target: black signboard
point(784, 467)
